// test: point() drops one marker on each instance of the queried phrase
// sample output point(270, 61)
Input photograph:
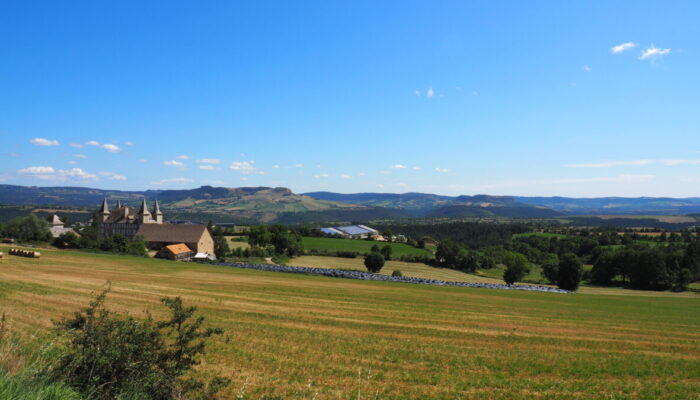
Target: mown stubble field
point(299, 336)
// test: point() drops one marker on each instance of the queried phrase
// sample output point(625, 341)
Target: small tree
point(221, 248)
point(570, 271)
point(516, 267)
point(550, 268)
point(374, 262)
point(374, 248)
point(386, 252)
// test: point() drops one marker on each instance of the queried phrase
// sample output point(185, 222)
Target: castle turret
point(119, 204)
point(103, 213)
point(144, 216)
point(157, 215)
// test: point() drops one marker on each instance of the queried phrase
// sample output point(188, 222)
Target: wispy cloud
point(398, 166)
point(321, 176)
point(430, 92)
point(587, 68)
point(173, 163)
point(44, 142)
point(112, 148)
point(209, 161)
point(183, 157)
point(77, 145)
point(621, 48)
point(299, 165)
point(207, 167)
point(442, 170)
point(80, 156)
point(128, 143)
point(113, 176)
point(627, 163)
point(416, 168)
point(653, 52)
point(417, 92)
point(45, 172)
point(245, 167)
point(345, 176)
point(93, 143)
point(171, 180)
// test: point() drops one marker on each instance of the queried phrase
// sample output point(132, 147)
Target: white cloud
point(208, 161)
point(275, 166)
point(171, 180)
point(216, 182)
point(76, 174)
point(345, 176)
point(80, 156)
point(622, 47)
point(143, 160)
point(384, 172)
point(183, 157)
point(321, 176)
point(72, 162)
point(77, 145)
point(207, 167)
point(38, 172)
point(129, 143)
point(442, 170)
point(587, 68)
point(92, 143)
point(417, 93)
point(398, 166)
point(653, 52)
point(416, 168)
point(299, 165)
point(112, 148)
point(245, 167)
point(173, 163)
point(44, 142)
point(430, 92)
point(633, 163)
point(379, 185)
point(361, 174)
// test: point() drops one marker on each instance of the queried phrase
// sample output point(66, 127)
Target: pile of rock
point(337, 273)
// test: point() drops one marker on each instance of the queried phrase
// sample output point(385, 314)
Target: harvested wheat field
point(296, 336)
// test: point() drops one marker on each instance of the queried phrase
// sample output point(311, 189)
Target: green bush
point(107, 355)
point(396, 272)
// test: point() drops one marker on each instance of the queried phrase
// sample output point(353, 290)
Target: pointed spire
point(144, 209)
point(156, 209)
point(119, 204)
point(105, 208)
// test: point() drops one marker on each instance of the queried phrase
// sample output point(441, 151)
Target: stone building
point(126, 221)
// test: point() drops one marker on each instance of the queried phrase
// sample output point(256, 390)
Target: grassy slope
point(296, 335)
point(360, 246)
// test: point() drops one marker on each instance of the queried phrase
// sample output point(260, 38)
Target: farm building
point(196, 237)
point(126, 221)
point(351, 231)
point(56, 226)
point(177, 252)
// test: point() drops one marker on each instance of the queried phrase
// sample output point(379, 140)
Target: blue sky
point(566, 98)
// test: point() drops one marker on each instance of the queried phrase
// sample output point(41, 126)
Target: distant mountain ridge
point(258, 204)
point(425, 203)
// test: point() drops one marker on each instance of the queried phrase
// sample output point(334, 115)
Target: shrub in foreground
point(107, 355)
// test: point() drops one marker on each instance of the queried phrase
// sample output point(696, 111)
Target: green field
point(300, 336)
point(360, 246)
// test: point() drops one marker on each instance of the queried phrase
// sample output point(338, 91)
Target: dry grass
point(302, 336)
